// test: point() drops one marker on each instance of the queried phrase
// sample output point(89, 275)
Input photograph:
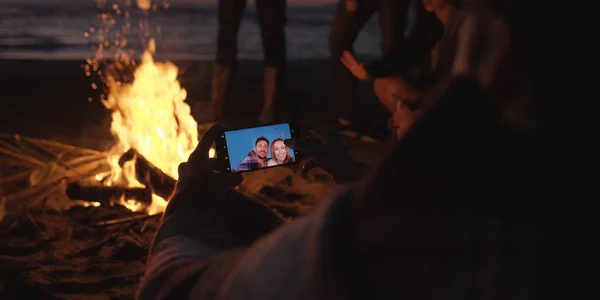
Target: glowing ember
point(150, 115)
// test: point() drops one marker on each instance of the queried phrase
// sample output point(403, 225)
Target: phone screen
point(256, 148)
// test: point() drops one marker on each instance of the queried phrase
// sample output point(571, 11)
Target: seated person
point(257, 158)
point(466, 206)
point(280, 154)
point(432, 42)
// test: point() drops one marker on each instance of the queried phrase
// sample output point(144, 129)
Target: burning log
point(106, 194)
point(148, 174)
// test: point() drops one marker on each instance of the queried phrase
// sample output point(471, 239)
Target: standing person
point(350, 18)
point(271, 17)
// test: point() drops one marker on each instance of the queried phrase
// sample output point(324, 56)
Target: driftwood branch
point(148, 174)
point(106, 194)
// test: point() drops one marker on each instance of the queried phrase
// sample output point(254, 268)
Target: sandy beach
point(48, 255)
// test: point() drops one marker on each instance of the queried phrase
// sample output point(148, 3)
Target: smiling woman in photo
point(279, 154)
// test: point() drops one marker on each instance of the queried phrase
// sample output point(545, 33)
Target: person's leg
point(272, 17)
point(393, 15)
point(344, 30)
point(230, 14)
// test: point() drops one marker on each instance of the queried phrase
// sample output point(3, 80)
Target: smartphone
point(255, 148)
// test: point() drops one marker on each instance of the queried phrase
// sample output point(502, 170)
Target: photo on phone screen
point(257, 148)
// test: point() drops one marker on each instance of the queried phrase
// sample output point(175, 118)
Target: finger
point(352, 66)
point(347, 55)
point(209, 137)
point(200, 154)
point(350, 58)
point(345, 63)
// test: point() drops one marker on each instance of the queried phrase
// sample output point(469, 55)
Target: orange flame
point(149, 113)
point(151, 116)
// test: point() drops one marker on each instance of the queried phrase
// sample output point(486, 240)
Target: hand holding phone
point(199, 182)
point(255, 148)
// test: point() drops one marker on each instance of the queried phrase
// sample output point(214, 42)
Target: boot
point(220, 88)
point(271, 94)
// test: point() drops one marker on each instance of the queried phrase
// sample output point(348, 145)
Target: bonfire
point(153, 129)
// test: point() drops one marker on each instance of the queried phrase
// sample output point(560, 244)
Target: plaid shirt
point(249, 163)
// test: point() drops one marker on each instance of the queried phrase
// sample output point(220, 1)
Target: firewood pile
point(47, 175)
point(38, 172)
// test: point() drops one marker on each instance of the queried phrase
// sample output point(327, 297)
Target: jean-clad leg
point(272, 18)
point(230, 15)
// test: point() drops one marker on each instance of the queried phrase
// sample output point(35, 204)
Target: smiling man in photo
point(257, 158)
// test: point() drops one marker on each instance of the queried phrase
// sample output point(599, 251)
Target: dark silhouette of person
point(487, 194)
point(350, 18)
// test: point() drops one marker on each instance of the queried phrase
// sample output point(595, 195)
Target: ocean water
point(55, 30)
